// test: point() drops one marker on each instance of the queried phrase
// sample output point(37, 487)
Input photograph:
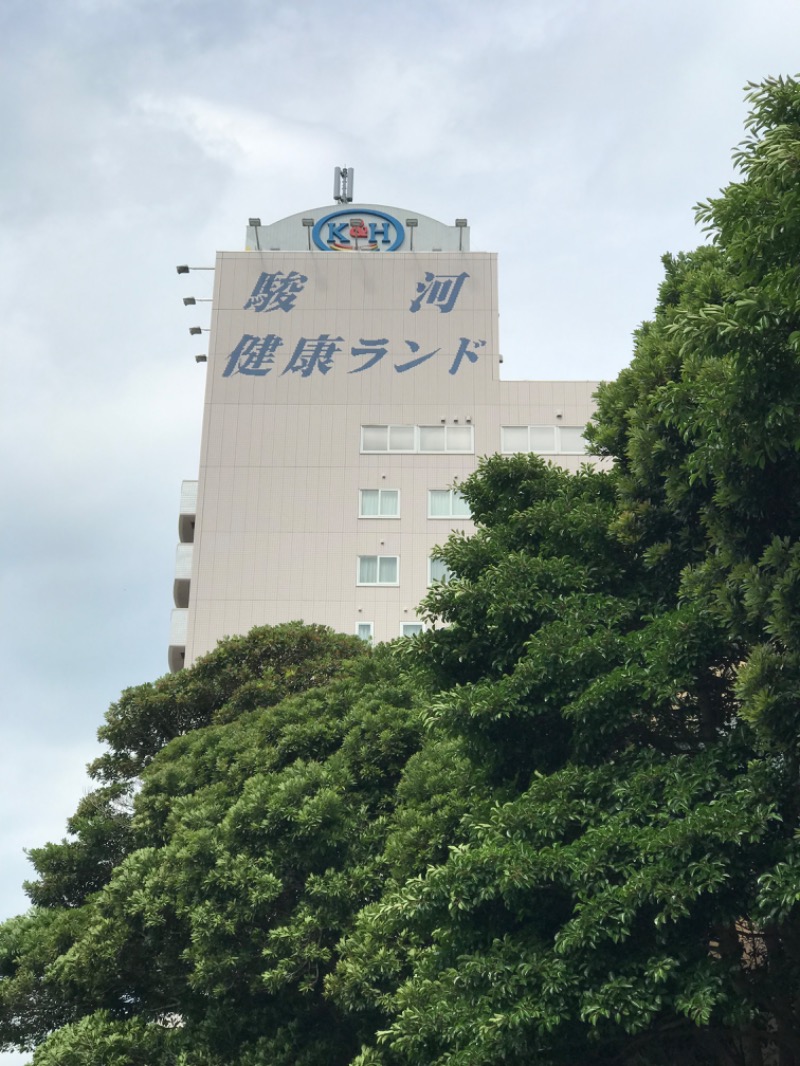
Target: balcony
point(183, 574)
point(188, 510)
point(176, 653)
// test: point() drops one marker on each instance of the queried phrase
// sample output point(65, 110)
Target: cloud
point(238, 137)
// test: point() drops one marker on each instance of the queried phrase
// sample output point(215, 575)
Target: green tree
point(253, 837)
point(621, 656)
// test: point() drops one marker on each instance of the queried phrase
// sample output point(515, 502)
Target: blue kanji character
point(309, 354)
point(373, 348)
point(274, 291)
point(401, 367)
point(253, 355)
point(441, 290)
point(463, 353)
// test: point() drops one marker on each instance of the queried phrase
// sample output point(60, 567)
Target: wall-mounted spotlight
point(412, 224)
point(308, 223)
point(190, 301)
point(461, 223)
point(201, 358)
point(183, 269)
point(195, 331)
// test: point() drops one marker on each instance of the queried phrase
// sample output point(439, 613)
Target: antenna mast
point(343, 185)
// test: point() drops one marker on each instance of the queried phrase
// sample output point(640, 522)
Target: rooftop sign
point(358, 231)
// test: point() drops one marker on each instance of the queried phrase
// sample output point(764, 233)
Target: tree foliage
point(251, 841)
point(559, 827)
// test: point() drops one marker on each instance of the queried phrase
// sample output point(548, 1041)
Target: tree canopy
point(558, 827)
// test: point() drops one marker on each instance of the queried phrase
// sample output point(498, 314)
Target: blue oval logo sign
point(358, 231)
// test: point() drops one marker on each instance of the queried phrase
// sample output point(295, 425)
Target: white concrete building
point(353, 379)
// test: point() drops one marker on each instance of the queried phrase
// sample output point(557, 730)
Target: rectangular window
point(364, 630)
point(401, 438)
point(571, 441)
point(447, 503)
point(374, 438)
point(458, 439)
point(410, 629)
point(378, 503)
point(513, 439)
point(429, 439)
point(388, 439)
point(378, 570)
point(543, 440)
point(438, 571)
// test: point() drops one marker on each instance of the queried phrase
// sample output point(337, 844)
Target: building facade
point(353, 380)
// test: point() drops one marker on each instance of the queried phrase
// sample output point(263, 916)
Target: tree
point(253, 837)
point(621, 652)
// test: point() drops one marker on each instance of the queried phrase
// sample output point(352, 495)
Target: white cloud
point(239, 137)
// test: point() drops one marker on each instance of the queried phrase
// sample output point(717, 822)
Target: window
point(378, 503)
point(364, 630)
point(378, 570)
point(544, 440)
point(410, 629)
point(438, 571)
point(571, 440)
point(388, 439)
point(445, 439)
point(417, 439)
point(447, 503)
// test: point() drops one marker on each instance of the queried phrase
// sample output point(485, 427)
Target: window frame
point(558, 450)
point(419, 628)
point(439, 580)
point(417, 449)
point(377, 583)
point(453, 492)
point(372, 517)
point(371, 638)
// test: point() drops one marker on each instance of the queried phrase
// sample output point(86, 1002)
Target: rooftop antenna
point(343, 185)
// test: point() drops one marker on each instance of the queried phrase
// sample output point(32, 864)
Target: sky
point(575, 135)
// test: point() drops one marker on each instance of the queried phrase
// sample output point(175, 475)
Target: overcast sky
point(575, 135)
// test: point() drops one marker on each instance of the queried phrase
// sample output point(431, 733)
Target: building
point(353, 380)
